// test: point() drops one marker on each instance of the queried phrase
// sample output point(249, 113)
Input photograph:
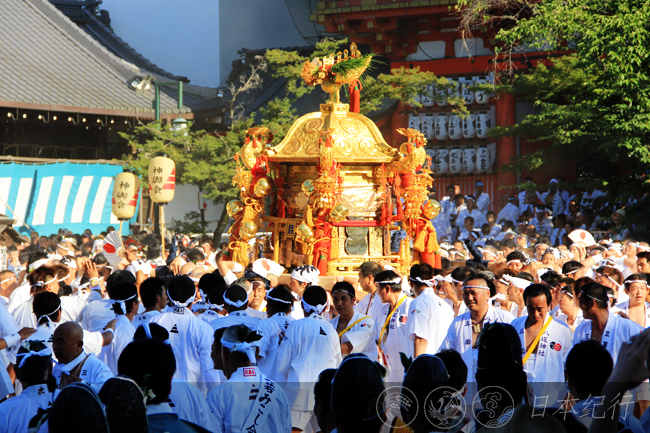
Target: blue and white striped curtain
point(73, 196)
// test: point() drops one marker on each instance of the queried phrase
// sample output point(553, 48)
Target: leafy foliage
point(191, 224)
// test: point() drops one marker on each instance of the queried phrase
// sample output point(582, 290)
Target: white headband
point(181, 304)
point(233, 303)
point(635, 281)
point(271, 298)
point(147, 332)
point(8, 279)
point(64, 278)
point(306, 274)
point(247, 348)
point(428, 283)
point(45, 352)
point(47, 316)
point(512, 261)
point(204, 305)
point(318, 308)
point(62, 247)
point(476, 287)
point(37, 264)
point(519, 283)
point(69, 263)
point(123, 302)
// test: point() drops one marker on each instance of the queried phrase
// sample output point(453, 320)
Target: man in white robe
point(392, 330)
point(370, 305)
point(235, 301)
point(471, 211)
point(355, 330)
point(154, 299)
point(482, 199)
point(510, 212)
point(542, 222)
point(273, 329)
point(310, 346)
point(464, 330)
point(429, 316)
point(190, 338)
point(74, 364)
point(248, 400)
point(124, 329)
point(545, 343)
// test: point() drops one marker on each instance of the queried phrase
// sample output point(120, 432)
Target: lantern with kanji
point(162, 179)
point(126, 190)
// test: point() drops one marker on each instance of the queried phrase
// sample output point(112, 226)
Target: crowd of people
point(530, 323)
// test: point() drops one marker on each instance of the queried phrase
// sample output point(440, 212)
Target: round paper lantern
point(442, 160)
point(455, 128)
point(414, 121)
point(480, 96)
point(441, 127)
point(454, 89)
point(483, 158)
point(441, 96)
point(469, 129)
point(427, 98)
point(483, 124)
point(468, 95)
point(126, 190)
point(455, 157)
point(469, 160)
point(427, 127)
point(162, 179)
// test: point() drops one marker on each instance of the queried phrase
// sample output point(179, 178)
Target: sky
point(180, 36)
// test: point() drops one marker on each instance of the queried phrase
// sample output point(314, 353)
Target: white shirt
point(564, 318)
point(93, 341)
point(510, 212)
point(124, 331)
point(191, 340)
point(235, 318)
point(310, 346)
point(273, 332)
point(8, 327)
point(395, 339)
point(20, 295)
point(17, 412)
point(429, 318)
point(442, 226)
point(97, 314)
point(448, 206)
point(360, 334)
point(188, 403)
point(558, 202)
point(143, 318)
point(552, 350)
point(370, 305)
point(71, 307)
point(617, 331)
point(250, 401)
point(459, 336)
point(479, 218)
point(93, 372)
point(483, 203)
point(544, 227)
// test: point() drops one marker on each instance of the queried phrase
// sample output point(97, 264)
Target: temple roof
point(50, 63)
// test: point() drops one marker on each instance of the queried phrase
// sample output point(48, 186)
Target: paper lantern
point(469, 160)
point(481, 96)
point(126, 190)
point(162, 179)
point(427, 126)
point(468, 95)
point(441, 127)
point(455, 157)
point(483, 124)
point(454, 90)
point(483, 159)
point(442, 160)
point(426, 99)
point(414, 121)
point(455, 128)
point(441, 96)
point(469, 128)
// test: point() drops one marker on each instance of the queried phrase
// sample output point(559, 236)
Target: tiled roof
point(48, 62)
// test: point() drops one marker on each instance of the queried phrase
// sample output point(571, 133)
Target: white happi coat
point(429, 318)
point(459, 336)
point(558, 202)
point(124, 331)
point(143, 318)
point(396, 333)
point(189, 404)
point(579, 318)
point(19, 296)
point(310, 346)
point(617, 331)
point(547, 365)
point(273, 331)
point(250, 401)
point(93, 372)
point(370, 305)
point(447, 205)
point(93, 341)
point(543, 227)
point(235, 318)
point(479, 218)
point(483, 203)
point(191, 340)
point(624, 307)
point(16, 412)
point(361, 335)
point(509, 213)
point(97, 314)
point(71, 307)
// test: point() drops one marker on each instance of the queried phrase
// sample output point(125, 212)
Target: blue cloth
point(59, 195)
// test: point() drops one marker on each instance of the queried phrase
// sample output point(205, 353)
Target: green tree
point(591, 89)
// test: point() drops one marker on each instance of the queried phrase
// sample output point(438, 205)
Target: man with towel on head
point(301, 278)
point(191, 338)
point(465, 329)
point(248, 401)
point(356, 331)
point(273, 329)
point(482, 198)
point(235, 301)
point(310, 346)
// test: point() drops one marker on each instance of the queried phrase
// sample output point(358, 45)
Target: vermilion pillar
point(506, 148)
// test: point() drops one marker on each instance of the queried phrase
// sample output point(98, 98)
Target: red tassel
point(355, 96)
point(329, 141)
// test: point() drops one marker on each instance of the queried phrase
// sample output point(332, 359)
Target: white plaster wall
point(185, 200)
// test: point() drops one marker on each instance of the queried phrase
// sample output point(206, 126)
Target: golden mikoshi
point(339, 213)
point(233, 208)
point(248, 230)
